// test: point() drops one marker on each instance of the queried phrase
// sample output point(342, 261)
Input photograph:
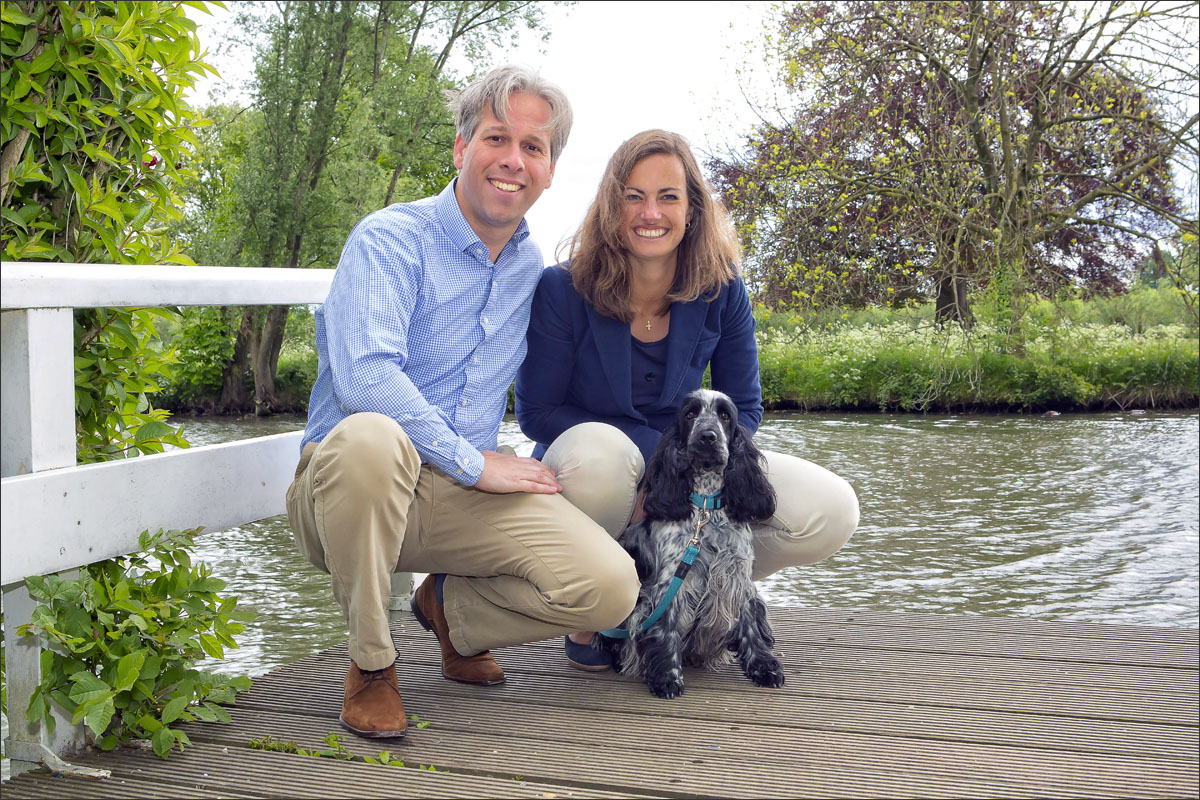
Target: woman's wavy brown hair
point(706, 260)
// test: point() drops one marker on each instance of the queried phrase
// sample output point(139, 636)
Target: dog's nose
point(708, 437)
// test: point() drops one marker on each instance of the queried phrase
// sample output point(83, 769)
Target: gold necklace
point(647, 324)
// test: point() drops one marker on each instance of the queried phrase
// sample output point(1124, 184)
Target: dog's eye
point(725, 416)
point(690, 415)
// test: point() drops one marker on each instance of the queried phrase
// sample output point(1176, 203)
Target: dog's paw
point(667, 688)
point(768, 673)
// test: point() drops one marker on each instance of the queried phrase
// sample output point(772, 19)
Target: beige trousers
point(816, 510)
point(519, 567)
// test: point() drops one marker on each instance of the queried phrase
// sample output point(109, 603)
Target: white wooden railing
point(55, 515)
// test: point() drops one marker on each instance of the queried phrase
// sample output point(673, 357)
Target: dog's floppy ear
point(668, 479)
point(747, 494)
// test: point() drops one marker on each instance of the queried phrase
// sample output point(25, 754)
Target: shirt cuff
point(467, 465)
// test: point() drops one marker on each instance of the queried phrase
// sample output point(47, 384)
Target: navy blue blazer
point(578, 365)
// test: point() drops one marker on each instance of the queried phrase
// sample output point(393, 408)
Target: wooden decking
point(876, 705)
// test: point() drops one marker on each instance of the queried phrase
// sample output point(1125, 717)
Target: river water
point(1073, 517)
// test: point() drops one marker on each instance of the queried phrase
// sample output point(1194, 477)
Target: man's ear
point(460, 150)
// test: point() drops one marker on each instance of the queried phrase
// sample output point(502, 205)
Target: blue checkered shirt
point(421, 326)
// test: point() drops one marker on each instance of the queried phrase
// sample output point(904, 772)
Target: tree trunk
point(266, 361)
point(952, 304)
point(234, 398)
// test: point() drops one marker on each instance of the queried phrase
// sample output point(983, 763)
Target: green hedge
point(908, 366)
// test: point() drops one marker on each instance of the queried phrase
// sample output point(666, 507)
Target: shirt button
point(474, 359)
point(485, 320)
point(435, 442)
point(464, 401)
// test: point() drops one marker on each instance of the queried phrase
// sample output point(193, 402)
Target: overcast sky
point(626, 67)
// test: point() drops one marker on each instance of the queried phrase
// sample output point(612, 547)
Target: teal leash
point(704, 502)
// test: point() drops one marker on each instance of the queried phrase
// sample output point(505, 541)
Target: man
point(418, 341)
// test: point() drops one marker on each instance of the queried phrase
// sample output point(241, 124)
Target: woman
point(649, 299)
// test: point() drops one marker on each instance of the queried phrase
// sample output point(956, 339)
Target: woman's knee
point(816, 514)
point(599, 468)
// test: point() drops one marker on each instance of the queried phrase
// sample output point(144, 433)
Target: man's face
point(504, 168)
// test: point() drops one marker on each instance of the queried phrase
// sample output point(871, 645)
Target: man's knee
point(367, 455)
point(612, 593)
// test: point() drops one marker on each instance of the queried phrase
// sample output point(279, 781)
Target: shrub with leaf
point(95, 142)
point(124, 638)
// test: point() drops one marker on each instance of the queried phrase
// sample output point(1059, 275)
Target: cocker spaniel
point(703, 486)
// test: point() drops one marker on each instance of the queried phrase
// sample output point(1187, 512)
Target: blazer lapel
point(613, 344)
point(686, 322)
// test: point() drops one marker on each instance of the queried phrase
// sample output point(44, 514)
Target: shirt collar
point(458, 229)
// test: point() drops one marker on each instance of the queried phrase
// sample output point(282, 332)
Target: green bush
point(898, 367)
point(124, 638)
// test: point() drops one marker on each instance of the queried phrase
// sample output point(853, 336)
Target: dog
point(716, 610)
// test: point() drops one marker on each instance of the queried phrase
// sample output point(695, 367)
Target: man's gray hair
point(497, 86)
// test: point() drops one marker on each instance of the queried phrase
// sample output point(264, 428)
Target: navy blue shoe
point(586, 657)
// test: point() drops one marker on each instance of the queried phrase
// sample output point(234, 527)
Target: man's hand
point(503, 474)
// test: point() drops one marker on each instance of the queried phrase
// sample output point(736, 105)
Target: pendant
point(647, 324)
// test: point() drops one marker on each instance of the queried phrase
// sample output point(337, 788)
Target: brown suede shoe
point(372, 707)
point(480, 669)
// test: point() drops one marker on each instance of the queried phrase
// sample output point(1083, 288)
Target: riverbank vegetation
point(1097, 355)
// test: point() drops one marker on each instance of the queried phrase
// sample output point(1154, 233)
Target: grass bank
point(1130, 352)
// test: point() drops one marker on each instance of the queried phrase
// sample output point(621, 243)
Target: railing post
point(37, 432)
point(402, 589)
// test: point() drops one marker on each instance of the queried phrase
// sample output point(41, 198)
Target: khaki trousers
point(519, 567)
point(815, 514)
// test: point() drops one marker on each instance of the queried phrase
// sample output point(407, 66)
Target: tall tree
point(348, 115)
point(931, 148)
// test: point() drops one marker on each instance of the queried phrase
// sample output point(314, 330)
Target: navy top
point(649, 363)
point(579, 364)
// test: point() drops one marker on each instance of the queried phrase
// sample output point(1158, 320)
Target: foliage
point(930, 149)
point(95, 136)
point(124, 638)
point(203, 340)
point(907, 363)
point(348, 115)
point(337, 750)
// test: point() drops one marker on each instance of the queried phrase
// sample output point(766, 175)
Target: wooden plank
point(980, 622)
point(552, 748)
point(887, 729)
point(979, 692)
point(84, 514)
point(726, 698)
point(225, 769)
point(29, 284)
point(1060, 648)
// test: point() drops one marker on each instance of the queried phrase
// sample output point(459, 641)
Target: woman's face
point(656, 207)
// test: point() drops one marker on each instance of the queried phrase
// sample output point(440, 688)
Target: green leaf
point(152, 430)
point(99, 717)
point(211, 646)
point(43, 61)
point(37, 707)
point(27, 42)
point(11, 14)
point(143, 214)
point(174, 708)
point(86, 686)
point(162, 741)
point(128, 668)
